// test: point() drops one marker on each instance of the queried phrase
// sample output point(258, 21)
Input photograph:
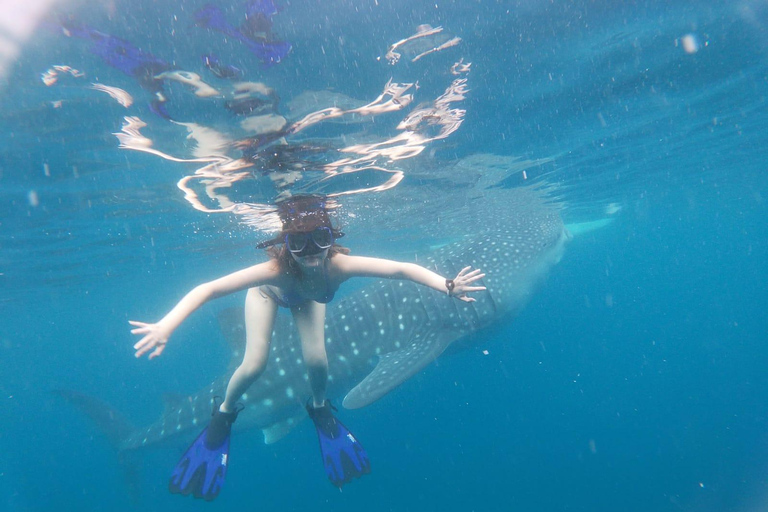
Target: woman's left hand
point(462, 284)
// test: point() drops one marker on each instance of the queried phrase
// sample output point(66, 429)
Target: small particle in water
point(485, 352)
point(690, 43)
point(34, 201)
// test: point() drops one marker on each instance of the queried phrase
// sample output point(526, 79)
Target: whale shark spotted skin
point(380, 335)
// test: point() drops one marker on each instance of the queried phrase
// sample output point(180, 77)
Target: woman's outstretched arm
point(358, 266)
point(155, 336)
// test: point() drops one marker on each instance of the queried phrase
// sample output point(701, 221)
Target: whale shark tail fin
point(110, 421)
point(116, 428)
point(396, 367)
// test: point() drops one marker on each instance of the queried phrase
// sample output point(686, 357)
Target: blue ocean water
point(633, 380)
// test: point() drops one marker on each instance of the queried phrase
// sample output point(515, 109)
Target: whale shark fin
point(279, 430)
point(396, 367)
point(116, 427)
point(580, 228)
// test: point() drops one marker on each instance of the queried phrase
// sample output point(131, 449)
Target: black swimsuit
point(291, 297)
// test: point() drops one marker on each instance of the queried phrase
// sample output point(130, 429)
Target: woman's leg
point(310, 321)
point(260, 312)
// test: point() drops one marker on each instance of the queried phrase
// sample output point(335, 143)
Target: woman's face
point(309, 249)
point(309, 261)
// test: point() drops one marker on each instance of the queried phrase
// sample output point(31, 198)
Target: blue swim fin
point(203, 467)
point(344, 457)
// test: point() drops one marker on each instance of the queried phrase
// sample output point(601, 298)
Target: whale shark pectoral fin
point(279, 430)
point(396, 367)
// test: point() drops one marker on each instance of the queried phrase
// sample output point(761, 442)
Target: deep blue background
point(635, 380)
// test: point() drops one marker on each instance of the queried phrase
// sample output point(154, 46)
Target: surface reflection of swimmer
point(255, 32)
point(126, 57)
point(304, 271)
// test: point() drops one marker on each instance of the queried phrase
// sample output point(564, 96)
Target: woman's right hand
point(155, 337)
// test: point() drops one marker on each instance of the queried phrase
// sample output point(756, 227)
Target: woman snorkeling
point(304, 271)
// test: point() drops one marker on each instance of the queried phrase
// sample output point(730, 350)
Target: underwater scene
point(383, 255)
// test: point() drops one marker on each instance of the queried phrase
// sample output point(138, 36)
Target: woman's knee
point(252, 368)
point(316, 359)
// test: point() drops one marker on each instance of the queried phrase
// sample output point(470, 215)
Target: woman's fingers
point(474, 278)
point(469, 277)
point(152, 340)
point(142, 350)
point(141, 327)
point(145, 344)
point(157, 352)
point(142, 342)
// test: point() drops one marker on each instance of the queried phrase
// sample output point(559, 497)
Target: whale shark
point(379, 335)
